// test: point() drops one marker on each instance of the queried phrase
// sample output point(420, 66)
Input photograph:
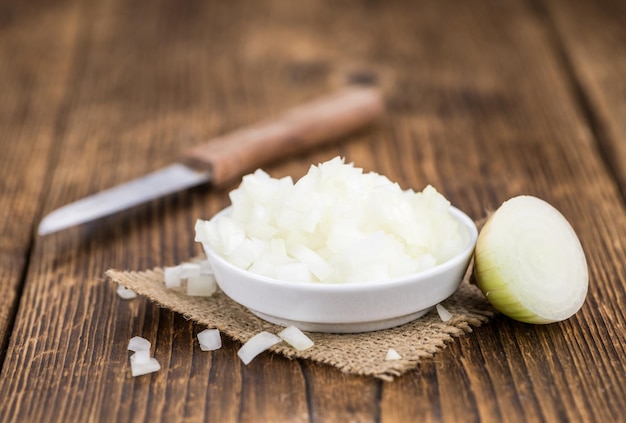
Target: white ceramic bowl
point(345, 308)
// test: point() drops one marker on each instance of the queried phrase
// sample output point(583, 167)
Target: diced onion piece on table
point(529, 262)
point(137, 343)
point(139, 367)
point(256, 345)
point(294, 337)
point(141, 357)
point(392, 355)
point(126, 293)
point(210, 340)
point(444, 314)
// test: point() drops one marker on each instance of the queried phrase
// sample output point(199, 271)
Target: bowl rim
point(447, 265)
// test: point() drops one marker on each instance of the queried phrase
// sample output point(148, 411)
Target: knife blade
point(226, 157)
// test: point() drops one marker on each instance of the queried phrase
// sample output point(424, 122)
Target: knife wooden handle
point(311, 124)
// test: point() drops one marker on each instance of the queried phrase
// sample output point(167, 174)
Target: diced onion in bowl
point(336, 224)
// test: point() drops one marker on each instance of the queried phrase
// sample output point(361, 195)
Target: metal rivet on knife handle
point(320, 121)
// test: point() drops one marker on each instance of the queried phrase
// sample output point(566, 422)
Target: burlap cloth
point(362, 354)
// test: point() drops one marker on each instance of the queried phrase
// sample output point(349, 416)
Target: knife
point(226, 157)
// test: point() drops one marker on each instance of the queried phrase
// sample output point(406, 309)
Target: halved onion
point(529, 262)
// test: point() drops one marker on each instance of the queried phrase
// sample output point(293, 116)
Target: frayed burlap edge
point(360, 354)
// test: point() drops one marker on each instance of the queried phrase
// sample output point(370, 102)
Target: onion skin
point(529, 268)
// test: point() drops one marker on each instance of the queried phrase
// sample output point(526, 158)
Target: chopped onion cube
point(172, 277)
point(293, 272)
point(126, 293)
point(205, 268)
point(137, 343)
point(199, 277)
point(175, 275)
point(210, 340)
point(141, 356)
point(189, 270)
point(315, 263)
point(392, 355)
point(444, 314)
point(256, 345)
point(336, 224)
point(201, 286)
point(294, 337)
point(138, 368)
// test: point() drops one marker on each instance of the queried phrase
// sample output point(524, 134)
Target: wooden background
point(486, 100)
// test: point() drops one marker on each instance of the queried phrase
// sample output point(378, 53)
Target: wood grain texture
point(31, 119)
point(592, 36)
point(481, 105)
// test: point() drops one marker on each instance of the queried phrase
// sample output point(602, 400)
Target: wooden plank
point(11, 273)
point(468, 113)
point(593, 38)
point(479, 106)
point(31, 121)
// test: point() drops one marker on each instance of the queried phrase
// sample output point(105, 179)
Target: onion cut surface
point(336, 224)
point(529, 262)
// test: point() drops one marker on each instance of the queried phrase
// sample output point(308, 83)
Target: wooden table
point(486, 100)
